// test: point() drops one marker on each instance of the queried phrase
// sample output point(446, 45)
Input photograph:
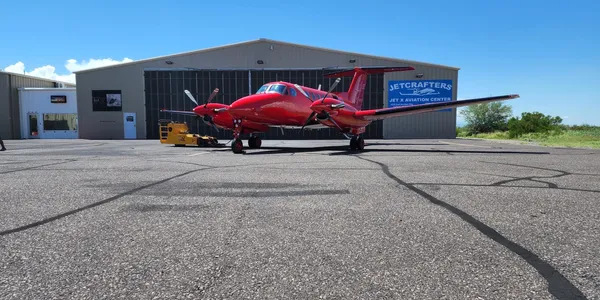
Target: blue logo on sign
point(416, 92)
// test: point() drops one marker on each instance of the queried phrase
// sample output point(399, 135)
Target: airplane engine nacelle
point(211, 109)
point(329, 106)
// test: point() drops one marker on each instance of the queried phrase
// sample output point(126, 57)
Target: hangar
point(16, 112)
point(123, 101)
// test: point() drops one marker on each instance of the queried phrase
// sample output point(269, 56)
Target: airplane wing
point(181, 112)
point(385, 113)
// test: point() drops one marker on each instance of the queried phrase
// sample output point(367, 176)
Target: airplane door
point(129, 125)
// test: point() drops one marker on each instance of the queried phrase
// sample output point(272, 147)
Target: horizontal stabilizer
point(384, 113)
point(366, 70)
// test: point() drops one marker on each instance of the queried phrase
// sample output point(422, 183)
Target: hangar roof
point(38, 78)
point(259, 41)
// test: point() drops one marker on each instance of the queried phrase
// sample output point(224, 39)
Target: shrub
point(534, 123)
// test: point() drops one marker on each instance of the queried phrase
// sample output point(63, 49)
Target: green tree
point(533, 122)
point(486, 117)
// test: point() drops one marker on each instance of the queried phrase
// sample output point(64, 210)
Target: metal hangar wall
point(141, 88)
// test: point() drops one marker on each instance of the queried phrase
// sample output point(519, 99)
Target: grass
point(574, 136)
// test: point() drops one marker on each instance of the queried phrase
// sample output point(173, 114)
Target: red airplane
point(287, 105)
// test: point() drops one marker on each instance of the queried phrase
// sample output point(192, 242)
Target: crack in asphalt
point(92, 205)
point(34, 167)
point(501, 183)
point(558, 285)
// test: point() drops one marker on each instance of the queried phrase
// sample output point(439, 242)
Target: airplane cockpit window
point(276, 88)
point(293, 92)
point(262, 89)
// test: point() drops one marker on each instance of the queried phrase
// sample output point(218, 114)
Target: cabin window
point(293, 92)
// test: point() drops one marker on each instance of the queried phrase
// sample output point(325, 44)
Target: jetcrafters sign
point(416, 92)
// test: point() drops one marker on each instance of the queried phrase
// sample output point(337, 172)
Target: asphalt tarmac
point(404, 219)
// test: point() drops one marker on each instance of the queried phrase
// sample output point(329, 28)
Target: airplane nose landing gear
point(357, 142)
point(237, 146)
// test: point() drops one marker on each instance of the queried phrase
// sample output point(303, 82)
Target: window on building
point(60, 122)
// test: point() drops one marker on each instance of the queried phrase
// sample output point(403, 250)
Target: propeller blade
point(212, 95)
point(312, 115)
point(303, 92)
point(338, 126)
point(335, 83)
point(190, 96)
point(214, 125)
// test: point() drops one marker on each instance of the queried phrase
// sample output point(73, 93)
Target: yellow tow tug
point(178, 134)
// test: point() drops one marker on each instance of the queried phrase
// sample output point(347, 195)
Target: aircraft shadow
point(344, 150)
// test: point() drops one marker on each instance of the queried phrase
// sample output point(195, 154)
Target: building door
point(129, 125)
point(33, 132)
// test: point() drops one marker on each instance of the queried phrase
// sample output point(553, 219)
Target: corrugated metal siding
point(426, 125)
point(5, 116)
point(19, 82)
point(130, 80)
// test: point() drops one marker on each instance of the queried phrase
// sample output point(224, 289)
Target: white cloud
point(72, 65)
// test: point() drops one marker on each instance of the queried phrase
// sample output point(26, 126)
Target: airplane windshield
point(271, 88)
point(276, 88)
point(262, 89)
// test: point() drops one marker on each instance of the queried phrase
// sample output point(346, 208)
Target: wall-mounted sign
point(415, 92)
point(106, 100)
point(58, 99)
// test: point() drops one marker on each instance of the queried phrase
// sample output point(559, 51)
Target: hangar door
point(164, 89)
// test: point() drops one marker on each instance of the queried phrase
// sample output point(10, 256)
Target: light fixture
point(260, 62)
point(168, 62)
point(419, 75)
point(352, 61)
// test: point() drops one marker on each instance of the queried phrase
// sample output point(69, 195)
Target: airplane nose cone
point(250, 106)
point(242, 108)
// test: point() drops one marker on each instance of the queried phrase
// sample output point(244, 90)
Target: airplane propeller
point(207, 119)
point(312, 115)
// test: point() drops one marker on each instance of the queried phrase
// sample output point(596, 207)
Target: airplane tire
point(237, 146)
point(353, 143)
point(360, 143)
point(257, 142)
point(252, 142)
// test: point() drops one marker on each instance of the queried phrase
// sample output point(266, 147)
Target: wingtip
point(514, 96)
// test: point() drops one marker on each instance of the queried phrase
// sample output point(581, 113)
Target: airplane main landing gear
point(238, 146)
point(254, 142)
point(357, 143)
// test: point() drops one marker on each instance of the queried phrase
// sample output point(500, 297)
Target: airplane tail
point(356, 92)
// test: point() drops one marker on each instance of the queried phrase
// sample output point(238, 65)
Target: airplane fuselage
point(282, 104)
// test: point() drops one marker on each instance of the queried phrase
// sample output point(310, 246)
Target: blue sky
point(546, 51)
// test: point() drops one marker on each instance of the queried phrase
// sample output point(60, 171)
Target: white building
point(48, 113)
